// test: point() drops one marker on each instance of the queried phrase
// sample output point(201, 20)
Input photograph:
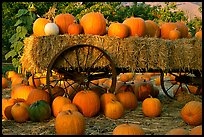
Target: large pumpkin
point(39, 111)
point(128, 129)
point(166, 28)
point(88, 102)
point(63, 21)
point(191, 113)
point(19, 112)
point(39, 25)
point(70, 123)
point(93, 23)
point(152, 29)
point(136, 25)
point(118, 30)
point(151, 107)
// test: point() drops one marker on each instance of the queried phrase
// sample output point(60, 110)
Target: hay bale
point(131, 53)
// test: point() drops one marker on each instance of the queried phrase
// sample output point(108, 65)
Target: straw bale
point(132, 53)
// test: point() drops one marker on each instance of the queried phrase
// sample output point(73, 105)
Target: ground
point(100, 125)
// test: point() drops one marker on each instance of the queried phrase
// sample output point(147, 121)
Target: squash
point(75, 29)
point(51, 29)
point(39, 26)
point(117, 29)
point(19, 112)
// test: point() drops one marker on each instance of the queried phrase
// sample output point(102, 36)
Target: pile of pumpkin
point(36, 104)
point(95, 23)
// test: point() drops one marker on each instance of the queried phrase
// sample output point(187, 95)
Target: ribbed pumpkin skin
point(39, 25)
point(70, 123)
point(114, 109)
point(152, 29)
point(118, 30)
point(93, 23)
point(166, 28)
point(177, 131)
point(128, 129)
point(39, 111)
point(191, 113)
point(136, 25)
point(151, 107)
point(63, 21)
point(88, 102)
point(196, 130)
point(106, 98)
point(75, 29)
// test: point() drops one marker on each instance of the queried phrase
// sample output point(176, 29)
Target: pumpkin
point(198, 35)
point(56, 91)
point(7, 104)
point(174, 34)
point(19, 112)
point(69, 106)
point(63, 21)
point(114, 109)
point(142, 77)
point(36, 81)
point(21, 91)
point(128, 100)
point(123, 87)
point(75, 29)
point(177, 131)
point(191, 113)
point(93, 23)
point(70, 123)
point(142, 89)
point(106, 98)
point(152, 29)
point(157, 81)
point(51, 29)
point(57, 104)
point(166, 28)
point(9, 74)
point(5, 83)
point(17, 79)
point(183, 29)
point(128, 129)
point(39, 111)
point(39, 26)
point(38, 94)
point(99, 90)
point(197, 130)
point(151, 107)
point(88, 102)
point(125, 77)
point(117, 29)
point(136, 26)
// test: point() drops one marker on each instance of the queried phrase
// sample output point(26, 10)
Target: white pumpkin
point(51, 29)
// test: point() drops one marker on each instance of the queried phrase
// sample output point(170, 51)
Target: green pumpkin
point(39, 111)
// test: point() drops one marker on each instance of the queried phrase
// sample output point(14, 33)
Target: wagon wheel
point(80, 64)
point(180, 80)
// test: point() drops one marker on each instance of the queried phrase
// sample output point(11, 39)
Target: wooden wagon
point(84, 58)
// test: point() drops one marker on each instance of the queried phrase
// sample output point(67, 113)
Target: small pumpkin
point(106, 98)
point(39, 111)
point(114, 109)
point(93, 23)
point(177, 131)
point(70, 123)
point(63, 21)
point(5, 83)
point(197, 130)
point(198, 35)
point(51, 29)
point(191, 113)
point(39, 25)
point(75, 29)
point(166, 28)
point(88, 102)
point(117, 29)
point(36, 81)
point(174, 34)
point(151, 107)
point(128, 129)
point(152, 29)
point(19, 112)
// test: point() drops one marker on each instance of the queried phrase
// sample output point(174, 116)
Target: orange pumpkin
point(118, 30)
point(5, 83)
point(191, 113)
point(57, 91)
point(7, 104)
point(69, 123)
point(75, 29)
point(19, 112)
point(183, 29)
point(106, 98)
point(196, 130)
point(63, 21)
point(69, 106)
point(177, 131)
point(58, 103)
point(151, 107)
point(166, 28)
point(174, 34)
point(38, 94)
point(128, 129)
point(10, 74)
point(17, 79)
point(198, 35)
point(114, 109)
point(36, 81)
point(136, 26)
point(39, 25)
point(152, 29)
point(88, 102)
point(93, 23)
